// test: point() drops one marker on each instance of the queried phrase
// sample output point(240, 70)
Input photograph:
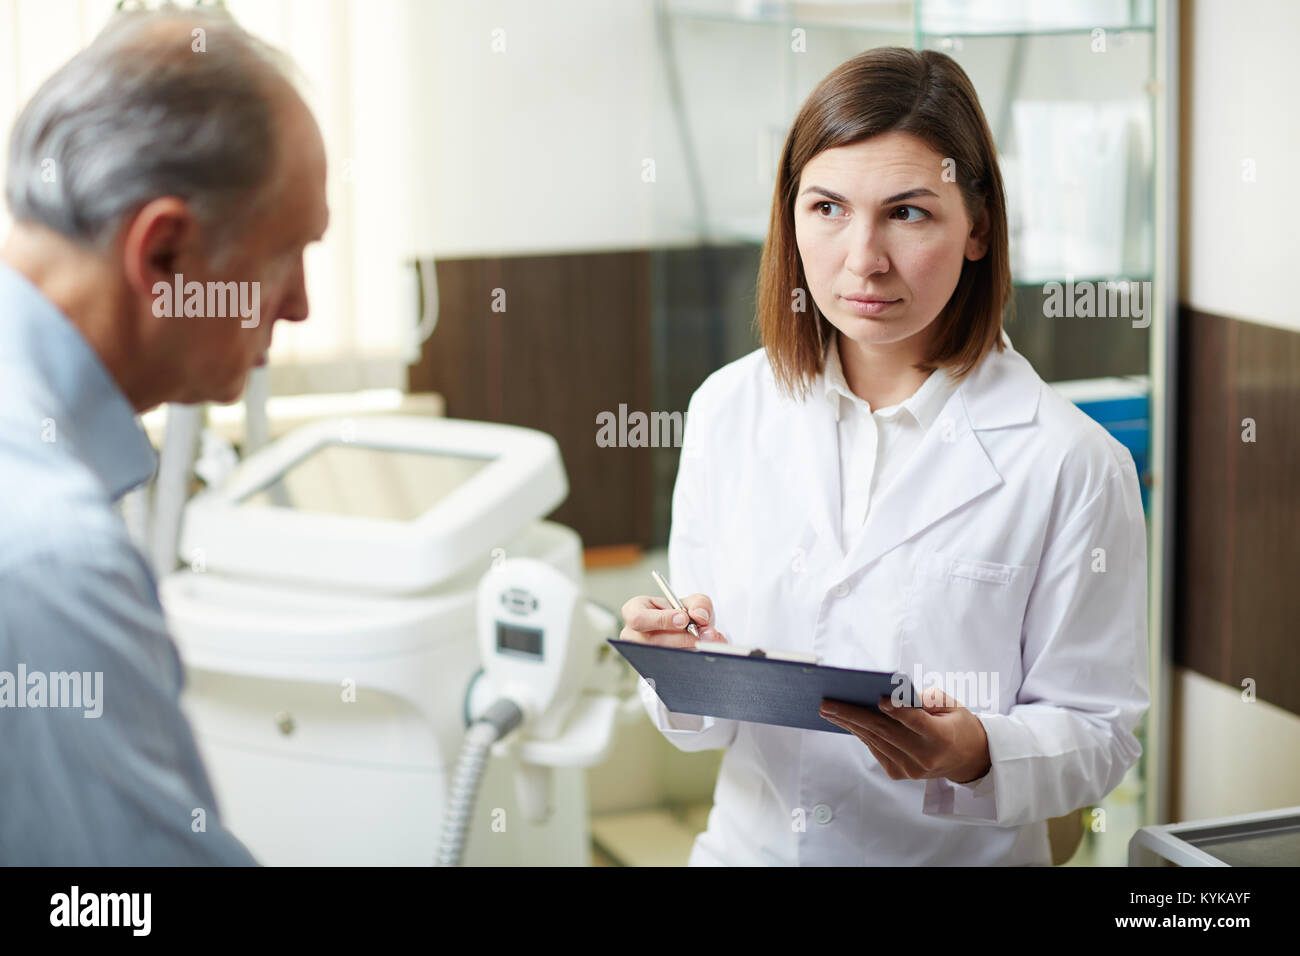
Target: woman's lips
point(865, 307)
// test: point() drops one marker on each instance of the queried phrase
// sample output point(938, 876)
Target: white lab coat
point(1013, 543)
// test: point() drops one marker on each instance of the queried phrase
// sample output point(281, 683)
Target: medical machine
point(363, 599)
point(537, 637)
point(1268, 838)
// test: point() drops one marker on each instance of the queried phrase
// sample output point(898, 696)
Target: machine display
point(340, 478)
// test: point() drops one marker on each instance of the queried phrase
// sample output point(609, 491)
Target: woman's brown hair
point(889, 89)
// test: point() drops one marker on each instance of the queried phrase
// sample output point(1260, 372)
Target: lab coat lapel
point(950, 467)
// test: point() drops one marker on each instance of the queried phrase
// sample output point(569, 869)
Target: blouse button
point(841, 590)
point(822, 813)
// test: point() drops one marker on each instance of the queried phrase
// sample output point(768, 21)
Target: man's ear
point(157, 243)
point(977, 243)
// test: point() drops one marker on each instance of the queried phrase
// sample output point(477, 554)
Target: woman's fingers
point(643, 614)
point(650, 618)
point(700, 607)
point(647, 614)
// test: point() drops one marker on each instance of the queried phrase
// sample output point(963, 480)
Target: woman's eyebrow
point(897, 197)
point(910, 194)
point(833, 197)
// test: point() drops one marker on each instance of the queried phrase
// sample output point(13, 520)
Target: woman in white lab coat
point(889, 485)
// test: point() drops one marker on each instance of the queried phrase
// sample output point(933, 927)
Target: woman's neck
point(882, 375)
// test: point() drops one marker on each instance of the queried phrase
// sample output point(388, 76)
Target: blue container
point(1123, 407)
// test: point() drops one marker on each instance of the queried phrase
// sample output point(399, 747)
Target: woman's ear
point(977, 243)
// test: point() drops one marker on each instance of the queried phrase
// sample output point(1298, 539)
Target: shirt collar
point(88, 408)
point(924, 404)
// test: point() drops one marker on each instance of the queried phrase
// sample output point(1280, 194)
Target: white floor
point(647, 837)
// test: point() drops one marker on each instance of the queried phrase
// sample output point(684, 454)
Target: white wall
point(1240, 236)
point(538, 148)
point(1231, 756)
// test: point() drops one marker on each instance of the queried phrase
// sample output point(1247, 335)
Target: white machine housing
point(329, 655)
point(530, 620)
point(520, 480)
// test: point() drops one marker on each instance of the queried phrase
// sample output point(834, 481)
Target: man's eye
point(827, 204)
point(916, 209)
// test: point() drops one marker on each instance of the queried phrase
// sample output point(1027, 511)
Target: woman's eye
point(915, 209)
point(827, 204)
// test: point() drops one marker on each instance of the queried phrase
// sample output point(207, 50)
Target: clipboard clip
point(722, 647)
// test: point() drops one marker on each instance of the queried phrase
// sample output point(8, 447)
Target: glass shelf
point(888, 28)
point(1072, 113)
point(926, 19)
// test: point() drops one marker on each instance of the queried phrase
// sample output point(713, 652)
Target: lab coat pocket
point(962, 630)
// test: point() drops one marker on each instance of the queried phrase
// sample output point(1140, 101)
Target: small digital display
point(519, 641)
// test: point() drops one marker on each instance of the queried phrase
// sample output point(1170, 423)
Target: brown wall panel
point(1238, 513)
point(573, 341)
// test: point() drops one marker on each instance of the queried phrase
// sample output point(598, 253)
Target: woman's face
point(882, 232)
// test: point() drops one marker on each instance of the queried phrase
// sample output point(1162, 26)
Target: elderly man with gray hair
point(174, 149)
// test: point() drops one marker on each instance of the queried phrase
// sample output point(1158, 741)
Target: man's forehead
point(304, 172)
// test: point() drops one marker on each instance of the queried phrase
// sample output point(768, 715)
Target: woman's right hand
point(652, 620)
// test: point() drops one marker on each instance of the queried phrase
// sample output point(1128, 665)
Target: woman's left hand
point(940, 738)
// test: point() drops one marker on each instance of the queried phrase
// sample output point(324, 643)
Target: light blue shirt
point(98, 764)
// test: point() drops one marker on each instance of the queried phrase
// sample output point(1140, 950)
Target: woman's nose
point(866, 256)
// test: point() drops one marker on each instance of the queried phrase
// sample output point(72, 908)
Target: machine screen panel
point(365, 481)
point(519, 641)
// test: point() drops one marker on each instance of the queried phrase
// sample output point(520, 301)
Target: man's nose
point(295, 307)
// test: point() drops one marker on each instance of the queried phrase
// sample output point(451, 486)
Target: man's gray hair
point(163, 103)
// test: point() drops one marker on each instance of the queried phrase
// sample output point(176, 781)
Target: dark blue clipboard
point(758, 689)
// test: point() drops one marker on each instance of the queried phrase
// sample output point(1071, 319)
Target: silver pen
point(672, 599)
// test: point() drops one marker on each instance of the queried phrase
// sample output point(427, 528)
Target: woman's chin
point(882, 330)
point(876, 331)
